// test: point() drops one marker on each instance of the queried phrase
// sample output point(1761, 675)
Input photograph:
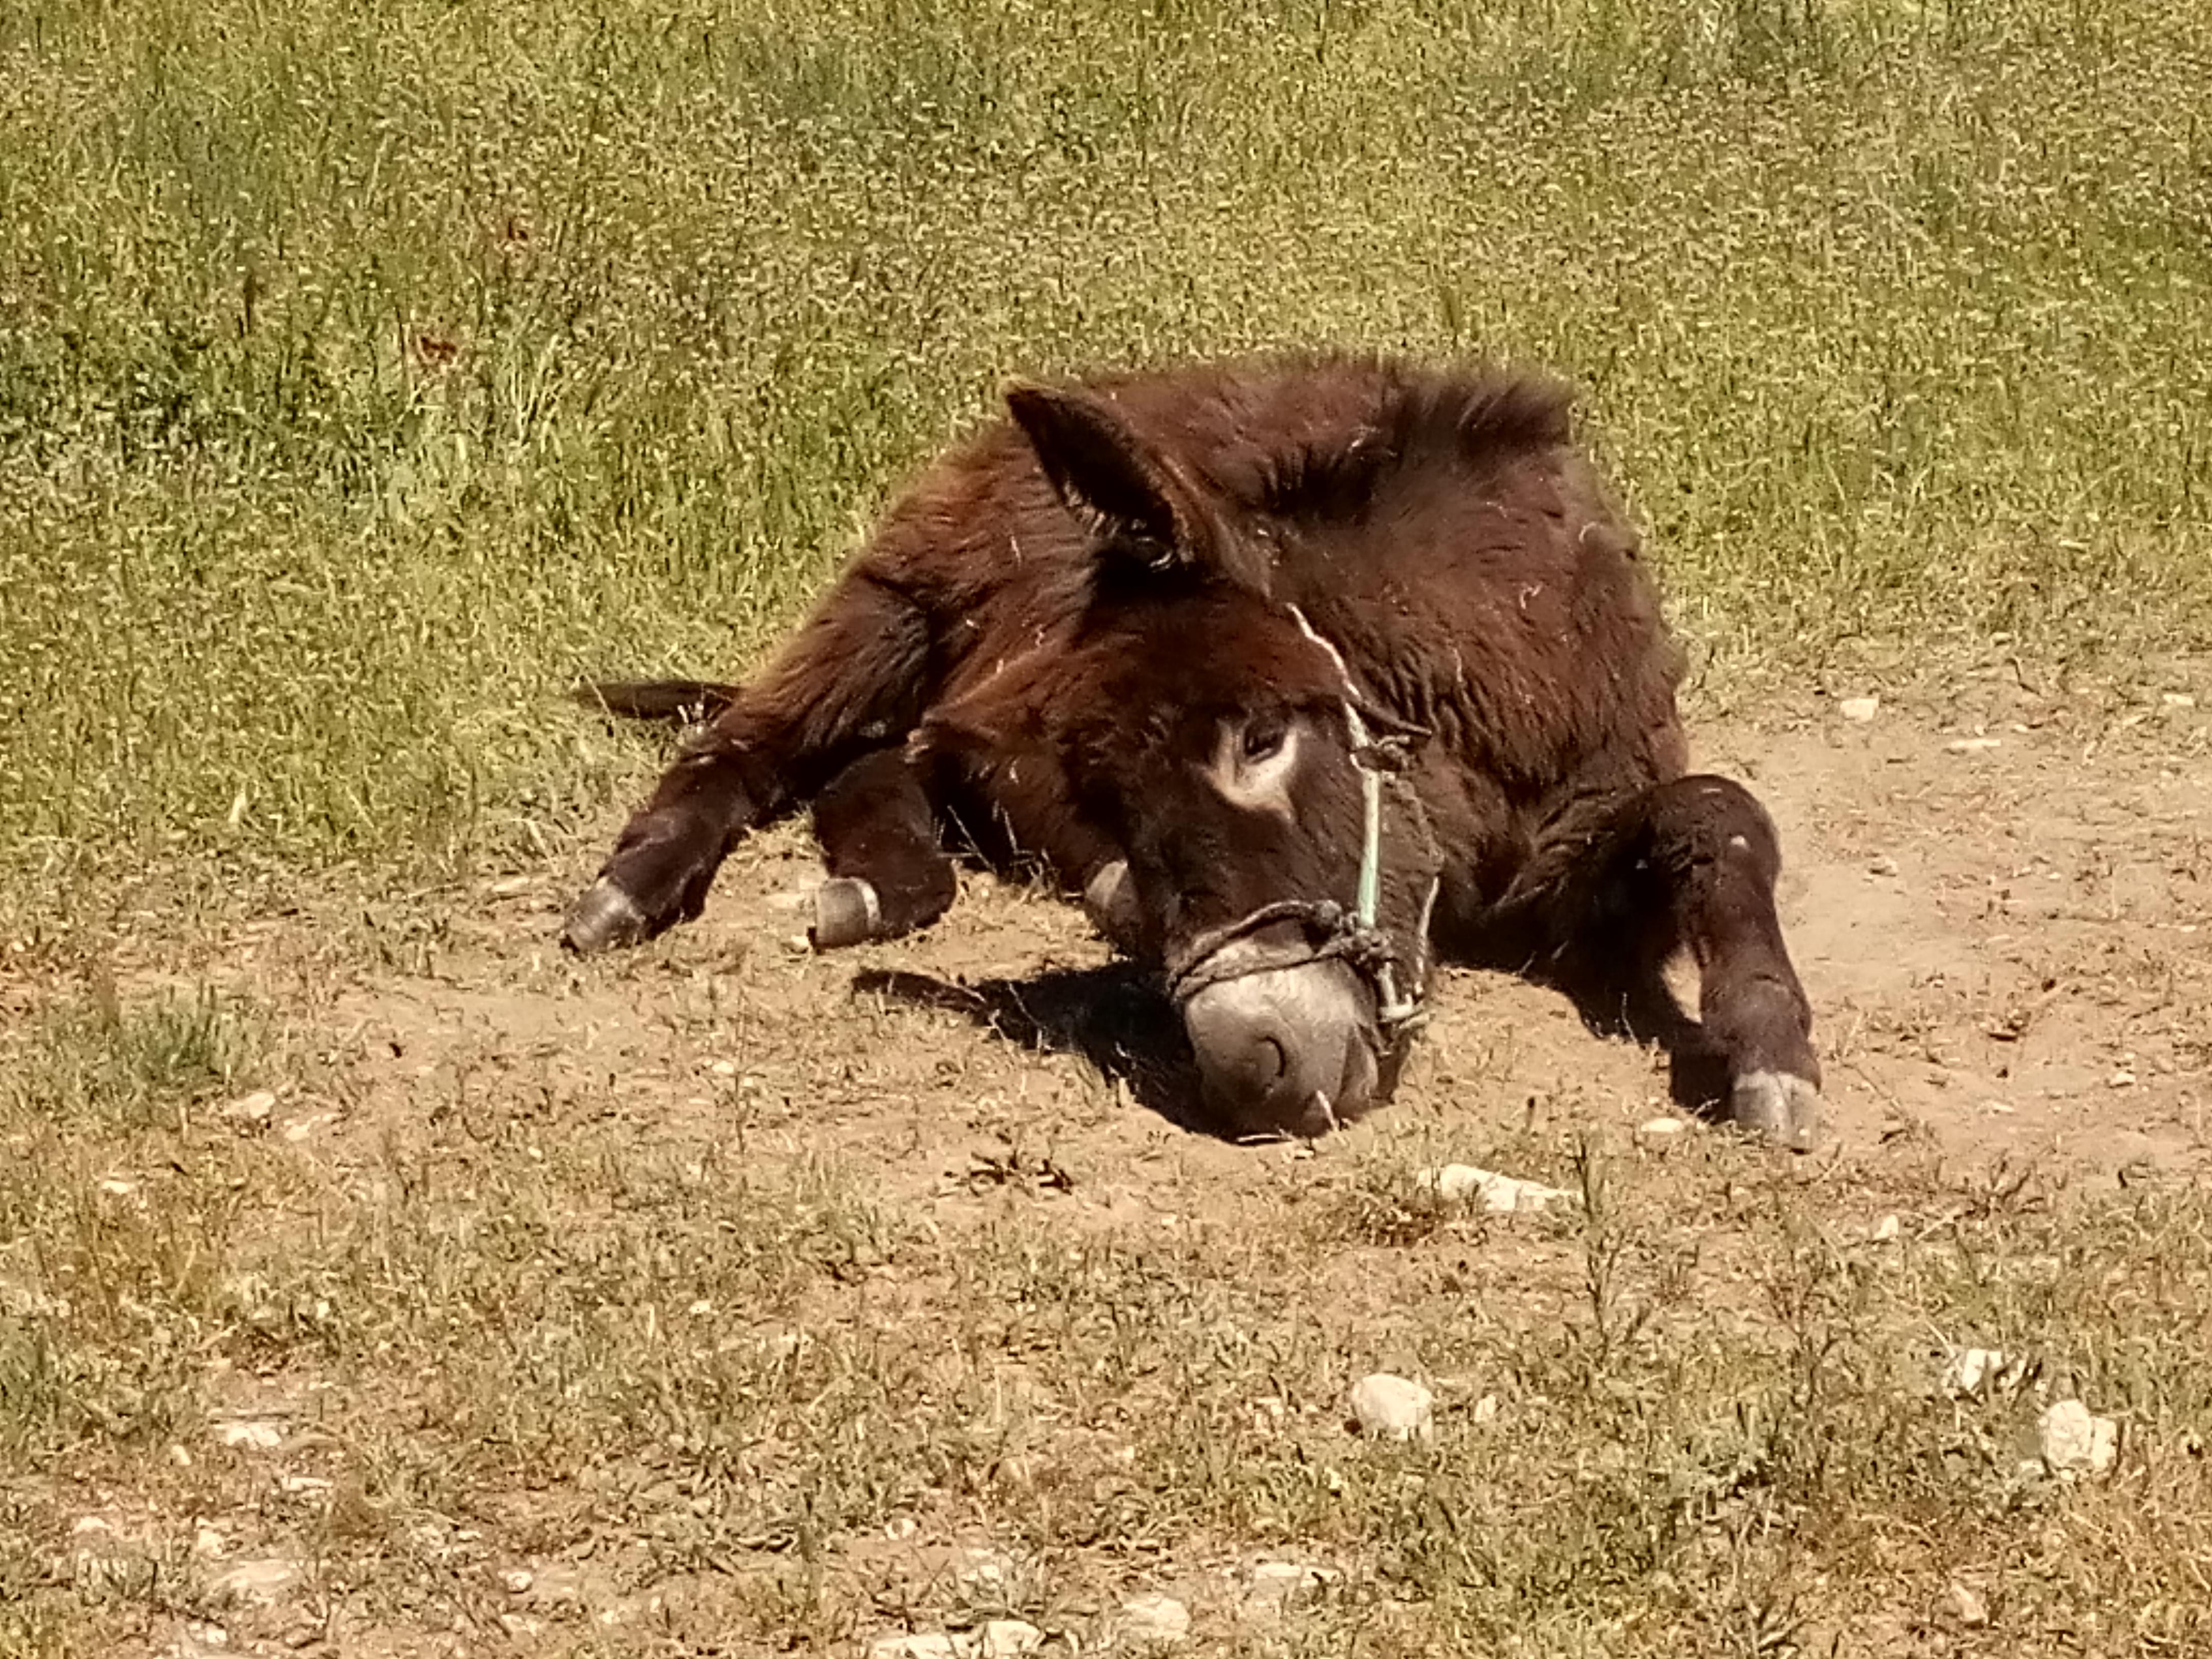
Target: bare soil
point(2004, 924)
point(2004, 917)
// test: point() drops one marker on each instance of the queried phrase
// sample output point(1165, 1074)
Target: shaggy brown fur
point(1082, 638)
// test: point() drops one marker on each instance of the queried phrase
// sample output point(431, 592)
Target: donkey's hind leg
point(1686, 865)
point(889, 871)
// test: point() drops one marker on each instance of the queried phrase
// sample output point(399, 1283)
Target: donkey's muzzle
point(1292, 1050)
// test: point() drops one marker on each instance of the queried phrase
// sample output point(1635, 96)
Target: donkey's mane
point(1416, 425)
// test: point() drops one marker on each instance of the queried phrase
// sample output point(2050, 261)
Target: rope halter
point(1331, 932)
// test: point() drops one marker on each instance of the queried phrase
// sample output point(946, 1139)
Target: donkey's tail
point(689, 701)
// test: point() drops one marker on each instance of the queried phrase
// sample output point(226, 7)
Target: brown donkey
point(1302, 673)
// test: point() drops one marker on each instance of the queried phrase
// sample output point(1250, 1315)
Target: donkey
point(1305, 673)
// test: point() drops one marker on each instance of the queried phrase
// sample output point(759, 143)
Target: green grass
point(104, 1272)
point(367, 372)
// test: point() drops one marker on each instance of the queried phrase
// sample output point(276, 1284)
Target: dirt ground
point(2004, 923)
point(2003, 915)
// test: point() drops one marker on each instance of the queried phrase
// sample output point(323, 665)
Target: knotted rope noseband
point(1330, 932)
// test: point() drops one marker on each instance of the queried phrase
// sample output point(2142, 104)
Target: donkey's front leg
point(852, 680)
point(1716, 848)
point(1619, 884)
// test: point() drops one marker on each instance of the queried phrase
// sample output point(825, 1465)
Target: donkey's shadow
point(1117, 1019)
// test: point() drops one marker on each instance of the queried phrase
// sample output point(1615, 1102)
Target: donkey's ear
point(1116, 482)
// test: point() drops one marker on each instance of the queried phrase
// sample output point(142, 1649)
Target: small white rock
point(927, 1645)
point(2179, 699)
point(983, 1573)
point(553, 1584)
point(1886, 1228)
point(1973, 745)
point(1499, 1193)
point(901, 1528)
point(302, 1486)
point(250, 1434)
point(2077, 1442)
point(516, 1581)
point(1279, 1586)
point(1661, 1126)
point(2121, 1077)
point(1484, 1410)
point(207, 1544)
point(1962, 1606)
point(259, 1582)
point(198, 1641)
point(1154, 1622)
point(117, 1187)
point(1004, 1638)
point(1971, 1370)
point(1393, 1408)
point(250, 1110)
point(1859, 709)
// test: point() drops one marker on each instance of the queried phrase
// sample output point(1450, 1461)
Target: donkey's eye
point(1264, 738)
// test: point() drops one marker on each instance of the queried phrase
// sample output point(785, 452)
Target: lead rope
point(1390, 1008)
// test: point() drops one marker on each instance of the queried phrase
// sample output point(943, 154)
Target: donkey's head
point(1273, 864)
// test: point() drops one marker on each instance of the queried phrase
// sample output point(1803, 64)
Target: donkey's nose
point(1290, 1051)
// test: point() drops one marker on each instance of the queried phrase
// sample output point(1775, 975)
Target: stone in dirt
point(251, 1111)
point(1392, 1408)
point(1153, 1621)
point(249, 1433)
point(1280, 1586)
point(2077, 1442)
point(262, 1582)
point(301, 1129)
point(994, 1640)
point(556, 1585)
point(1859, 710)
point(930, 1645)
point(1000, 1638)
point(1971, 1370)
point(1498, 1194)
point(199, 1641)
point(1962, 1606)
point(983, 1575)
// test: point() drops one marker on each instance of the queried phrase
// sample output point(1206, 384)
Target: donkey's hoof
point(1109, 899)
point(604, 918)
point(846, 912)
point(1781, 1106)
